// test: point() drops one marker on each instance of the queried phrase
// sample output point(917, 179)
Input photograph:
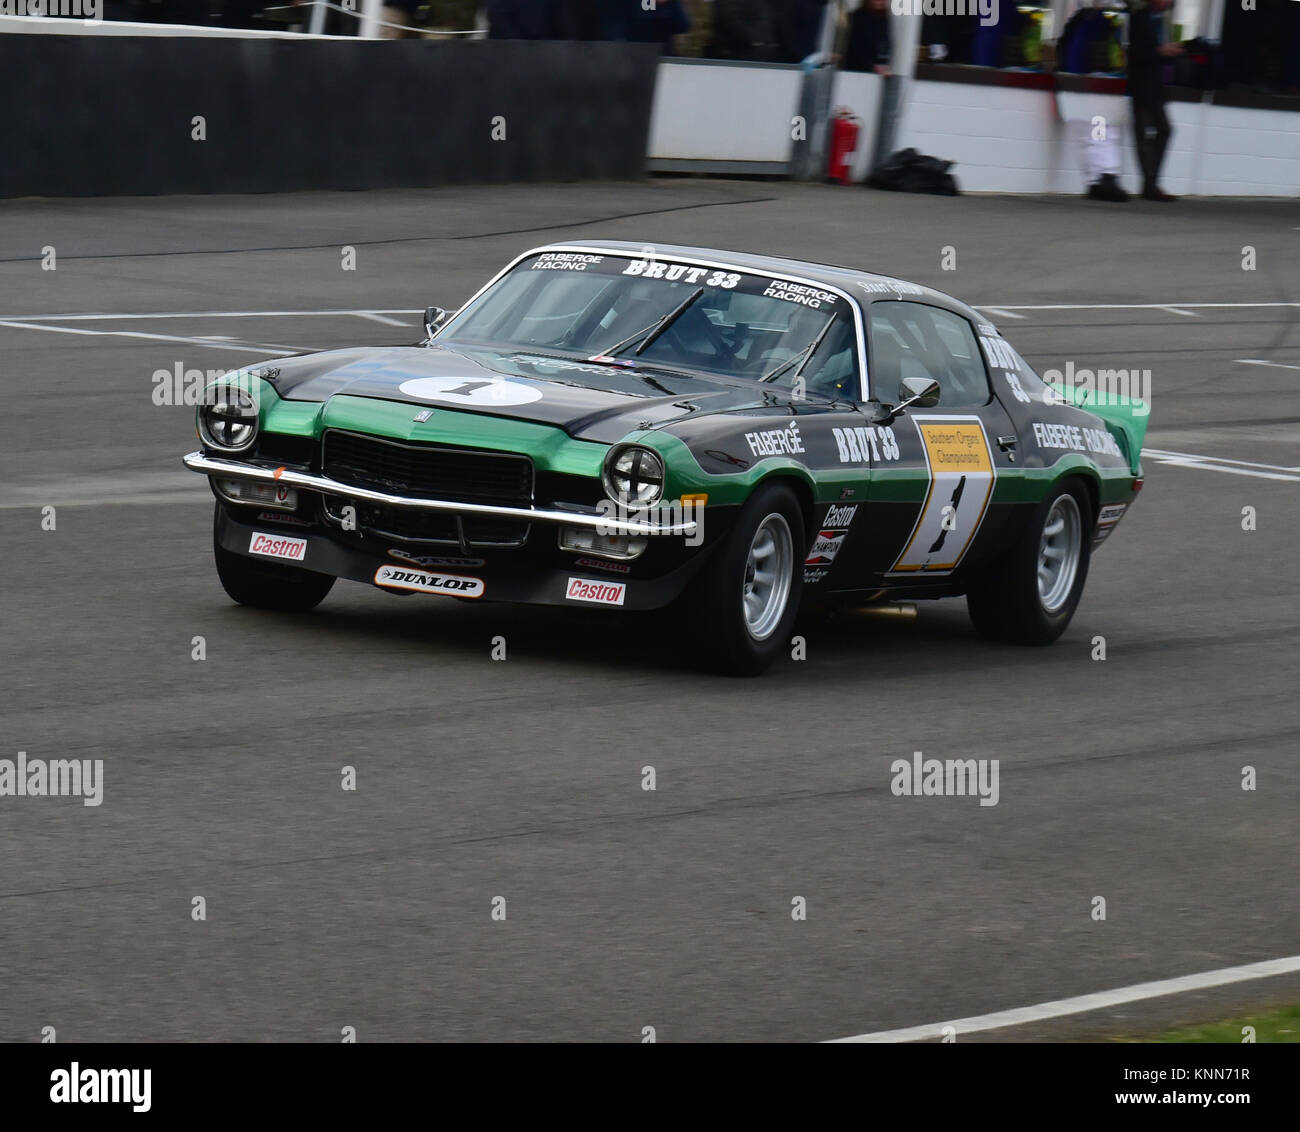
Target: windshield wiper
point(804, 355)
point(648, 334)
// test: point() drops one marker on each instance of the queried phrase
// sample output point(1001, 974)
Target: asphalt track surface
point(521, 779)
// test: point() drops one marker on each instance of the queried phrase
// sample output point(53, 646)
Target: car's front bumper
point(546, 579)
point(222, 468)
point(535, 572)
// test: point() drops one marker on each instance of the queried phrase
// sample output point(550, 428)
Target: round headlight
point(634, 476)
point(228, 420)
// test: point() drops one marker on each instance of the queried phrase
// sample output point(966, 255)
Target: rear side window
point(1011, 373)
point(916, 340)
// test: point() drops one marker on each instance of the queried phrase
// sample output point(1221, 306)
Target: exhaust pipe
point(896, 611)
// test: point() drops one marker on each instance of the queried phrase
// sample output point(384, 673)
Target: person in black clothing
point(869, 46)
point(798, 25)
point(743, 29)
point(521, 19)
point(1147, 53)
point(659, 24)
point(578, 19)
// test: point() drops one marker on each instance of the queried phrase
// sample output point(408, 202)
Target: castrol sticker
point(600, 593)
point(278, 546)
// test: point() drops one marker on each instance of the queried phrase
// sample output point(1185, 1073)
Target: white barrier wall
point(715, 116)
point(1249, 152)
point(722, 117)
point(1009, 140)
point(1002, 140)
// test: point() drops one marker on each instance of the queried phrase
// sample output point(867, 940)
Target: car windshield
point(643, 311)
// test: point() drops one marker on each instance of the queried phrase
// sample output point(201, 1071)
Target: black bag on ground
point(910, 172)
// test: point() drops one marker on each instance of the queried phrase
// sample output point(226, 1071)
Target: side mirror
point(434, 317)
point(920, 391)
point(923, 392)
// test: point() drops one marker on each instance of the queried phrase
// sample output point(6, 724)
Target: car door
point(938, 498)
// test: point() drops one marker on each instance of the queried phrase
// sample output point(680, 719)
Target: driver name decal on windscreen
point(584, 307)
point(565, 261)
point(799, 293)
point(681, 272)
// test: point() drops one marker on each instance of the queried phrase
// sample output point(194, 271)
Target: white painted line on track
point(1219, 459)
point(1182, 308)
point(135, 499)
point(382, 318)
point(103, 317)
point(1083, 1004)
point(998, 312)
point(172, 484)
point(277, 352)
point(1221, 464)
point(1261, 362)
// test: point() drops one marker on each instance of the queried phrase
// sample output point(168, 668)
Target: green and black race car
point(620, 425)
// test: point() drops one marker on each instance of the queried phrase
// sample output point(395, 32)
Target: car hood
point(590, 402)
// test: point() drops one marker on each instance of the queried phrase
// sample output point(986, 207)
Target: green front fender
point(684, 476)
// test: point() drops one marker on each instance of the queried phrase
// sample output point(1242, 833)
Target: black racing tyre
point(269, 585)
point(1029, 595)
point(747, 598)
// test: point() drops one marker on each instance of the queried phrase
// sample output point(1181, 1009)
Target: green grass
point(1281, 1025)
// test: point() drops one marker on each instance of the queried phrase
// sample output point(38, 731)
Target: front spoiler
point(606, 524)
point(502, 579)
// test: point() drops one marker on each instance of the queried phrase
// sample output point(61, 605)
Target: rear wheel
point(747, 600)
point(269, 585)
point(1030, 595)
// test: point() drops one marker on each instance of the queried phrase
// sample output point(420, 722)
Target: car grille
point(284, 449)
point(427, 471)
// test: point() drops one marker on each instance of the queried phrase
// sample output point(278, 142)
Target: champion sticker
point(278, 546)
point(427, 582)
point(825, 547)
point(473, 392)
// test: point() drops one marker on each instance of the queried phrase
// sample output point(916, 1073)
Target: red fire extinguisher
point(845, 128)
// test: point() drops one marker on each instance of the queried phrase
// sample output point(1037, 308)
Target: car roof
point(845, 278)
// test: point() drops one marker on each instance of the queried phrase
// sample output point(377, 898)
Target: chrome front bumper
point(606, 524)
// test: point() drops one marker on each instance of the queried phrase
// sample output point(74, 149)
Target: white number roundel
point(477, 392)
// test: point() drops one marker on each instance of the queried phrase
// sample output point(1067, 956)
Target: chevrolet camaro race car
point(618, 425)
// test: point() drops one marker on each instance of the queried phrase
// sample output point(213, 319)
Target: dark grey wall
point(95, 115)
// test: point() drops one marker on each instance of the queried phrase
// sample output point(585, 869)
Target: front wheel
point(1029, 596)
point(269, 585)
point(747, 600)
